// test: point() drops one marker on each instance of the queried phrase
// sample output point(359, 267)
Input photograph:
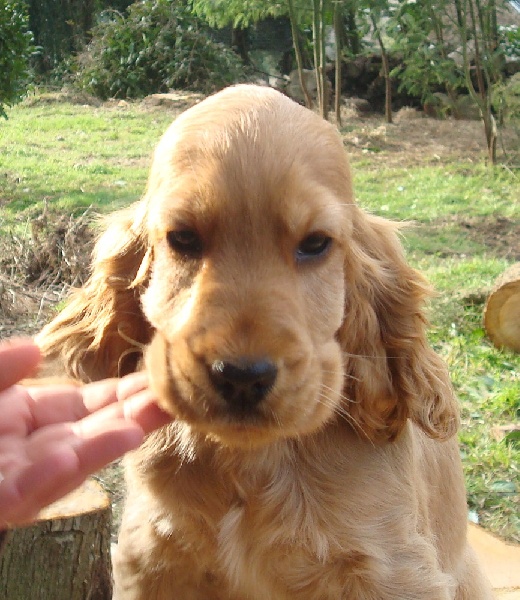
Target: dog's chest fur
point(276, 522)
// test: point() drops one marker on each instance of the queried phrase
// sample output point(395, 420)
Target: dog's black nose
point(243, 384)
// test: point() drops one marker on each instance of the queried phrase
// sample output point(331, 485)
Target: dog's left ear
point(101, 331)
point(392, 374)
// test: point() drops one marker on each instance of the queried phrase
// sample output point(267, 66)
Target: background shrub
point(15, 51)
point(506, 100)
point(155, 46)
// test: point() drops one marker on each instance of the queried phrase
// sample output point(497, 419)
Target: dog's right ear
point(101, 330)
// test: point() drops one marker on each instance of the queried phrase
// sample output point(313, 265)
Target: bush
point(15, 51)
point(509, 39)
point(506, 99)
point(155, 46)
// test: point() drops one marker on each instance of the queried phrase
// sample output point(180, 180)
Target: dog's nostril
point(245, 383)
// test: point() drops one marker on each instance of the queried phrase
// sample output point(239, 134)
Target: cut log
point(502, 311)
point(65, 554)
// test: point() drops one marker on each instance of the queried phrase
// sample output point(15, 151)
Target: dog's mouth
point(212, 404)
point(219, 415)
point(237, 426)
point(241, 402)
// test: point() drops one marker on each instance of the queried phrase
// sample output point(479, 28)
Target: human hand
point(53, 436)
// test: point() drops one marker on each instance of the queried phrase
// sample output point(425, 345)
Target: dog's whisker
point(275, 417)
point(344, 414)
point(346, 375)
point(370, 356)
point(341, 395)
point(338, 409)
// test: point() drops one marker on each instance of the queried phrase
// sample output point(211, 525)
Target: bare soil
point(415, 139)
point(500, 235)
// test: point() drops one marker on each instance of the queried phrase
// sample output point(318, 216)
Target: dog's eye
point(186, 242)
point(313, 246)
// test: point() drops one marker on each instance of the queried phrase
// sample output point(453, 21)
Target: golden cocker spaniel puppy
point(312, 454)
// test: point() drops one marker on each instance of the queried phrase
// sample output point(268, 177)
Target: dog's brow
point(316, 211)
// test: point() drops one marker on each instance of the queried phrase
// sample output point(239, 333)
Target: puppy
point(312, 454)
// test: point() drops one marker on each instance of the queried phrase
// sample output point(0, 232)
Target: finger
point(67, 403)
point(99, 394)
point(143, 409)
point(109, 440)
point(131, 385)
point(139, 410)
point(49, 404)
point(62, 470)
point(62, 403)
point(18, 359)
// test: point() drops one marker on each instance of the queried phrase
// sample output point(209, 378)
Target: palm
point(52, 437)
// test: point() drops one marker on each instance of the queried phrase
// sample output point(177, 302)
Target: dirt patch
point(499, 234)
point(414, 138)
point(178, 101)
point(63, 96)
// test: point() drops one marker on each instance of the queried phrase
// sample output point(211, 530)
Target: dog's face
point(267, 301)
point(248, 226)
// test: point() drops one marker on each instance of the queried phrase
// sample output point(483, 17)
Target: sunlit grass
point(426, 193)
point(72, 157)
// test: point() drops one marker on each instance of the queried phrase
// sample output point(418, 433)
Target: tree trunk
point(482, 95)
point(297, 51)
point(337, 78)
point(386, 71)
point(65, 554)
point(317, 47)
point(240, 43)
point(502, 311)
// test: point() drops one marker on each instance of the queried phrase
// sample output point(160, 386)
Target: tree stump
point(65, 554)
point(502, 311)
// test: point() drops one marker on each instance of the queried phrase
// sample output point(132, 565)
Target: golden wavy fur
point(313, 453)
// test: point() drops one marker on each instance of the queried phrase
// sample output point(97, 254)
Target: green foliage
point(425, 71)
point(425, 66)
point(510, 41)
point(155, 46)
point(15, 51)
point(506, 99)
point(239, 13)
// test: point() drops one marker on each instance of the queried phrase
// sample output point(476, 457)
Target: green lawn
point(65, 158)
point(72, 157)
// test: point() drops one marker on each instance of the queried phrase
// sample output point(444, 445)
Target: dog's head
point(269, 303)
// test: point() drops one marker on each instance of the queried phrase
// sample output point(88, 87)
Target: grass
point(64, 158)
point(426, 193)
point(487, 382)
point(74, 156)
